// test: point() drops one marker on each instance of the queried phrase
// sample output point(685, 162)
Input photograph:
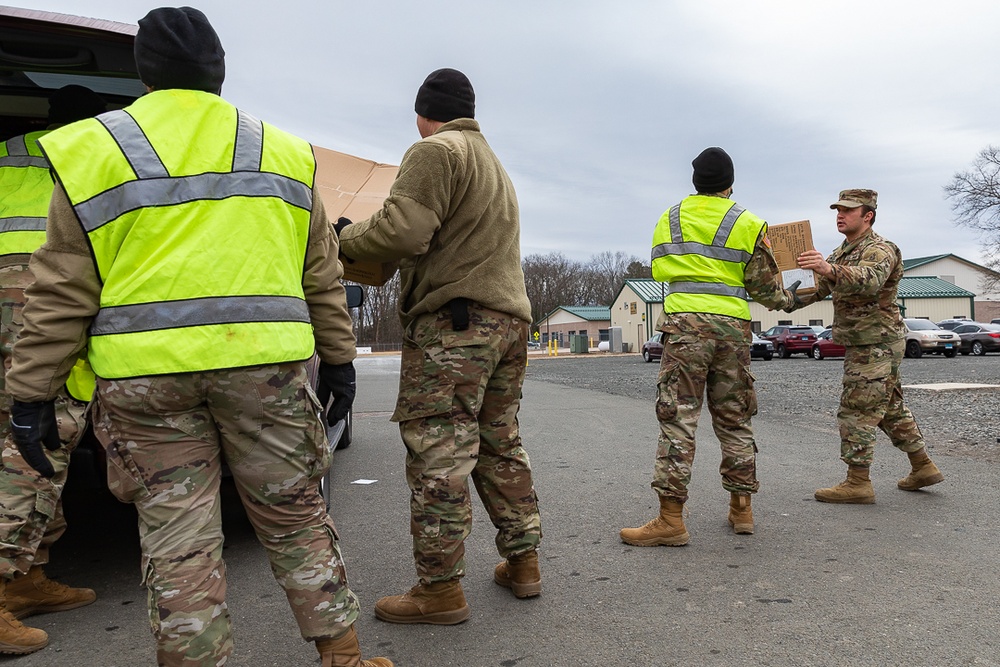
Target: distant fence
point(379, 347)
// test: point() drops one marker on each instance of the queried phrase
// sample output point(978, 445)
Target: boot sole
point(846, 501)
point(678, 541)
point(34, 611)
point(933, 479)
point(14, 649)
point(520, 590)
point(452, 617)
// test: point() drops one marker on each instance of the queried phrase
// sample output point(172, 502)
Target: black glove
point(796, 301)
point(340, 224)
point(338, 381)
point(33, 425)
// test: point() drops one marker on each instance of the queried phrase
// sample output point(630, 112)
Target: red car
point(825, 347)
point(790, 339)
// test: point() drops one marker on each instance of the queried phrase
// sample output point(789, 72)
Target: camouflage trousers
point(31, 517)
point(873, 398)
point(166, 438)
point(690, 366)
point(459, 394)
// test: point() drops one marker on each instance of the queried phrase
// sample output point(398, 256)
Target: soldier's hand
point(340, 224)
point(340, 382)
point(32, 425)
point(796, 301)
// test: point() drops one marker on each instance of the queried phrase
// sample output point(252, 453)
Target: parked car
point(790, 339)
point(825, 347)
point(925, 336)
point(979, 338)
point(995, 320)
point(818, 329)
point(652, 349)
point(761, 348)
point(953, 322)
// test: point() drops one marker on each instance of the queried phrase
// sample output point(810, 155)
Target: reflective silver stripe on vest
point(22, 224)
point(726, 227)
point(676, 235)
point(133, 195)
point(719, 289)
point(695, 248)
point(18, 156)
point(24, 161)
point(17, 146)
point(249, 143)
point(134, 144)
point(139, 317)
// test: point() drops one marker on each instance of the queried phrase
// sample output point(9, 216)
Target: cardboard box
point(788, 241)
point(355, 188)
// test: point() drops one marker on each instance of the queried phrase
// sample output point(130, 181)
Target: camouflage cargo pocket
point(315, 433)
point(124, 479)
point(751, 392)
point(866, 378)
point(666, 390)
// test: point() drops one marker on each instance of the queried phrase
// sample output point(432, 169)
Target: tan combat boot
point(740, 514)
point(923, 472)
point(665, 530)
point(520, 574)
point(15, 637)
point(345, 652)
point(856, 489)
point(440, 603)
point(34, 593)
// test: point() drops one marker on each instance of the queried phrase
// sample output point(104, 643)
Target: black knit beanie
point(72, 103)
point(713, 171)
point(445, 95)
point(176, 47)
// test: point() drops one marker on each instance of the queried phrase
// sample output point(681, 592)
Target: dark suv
point(791, 339)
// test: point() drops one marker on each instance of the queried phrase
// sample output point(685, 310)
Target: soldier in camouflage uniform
point(451, 219)
point(713, 253)
point(212, 370)
point(31, 515)
point(863, 275)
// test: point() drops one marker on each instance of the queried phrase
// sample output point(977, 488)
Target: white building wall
point(937, 309)
point(633, 324)
point(763, 319)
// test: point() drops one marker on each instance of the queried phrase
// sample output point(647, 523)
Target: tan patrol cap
point(857, 197)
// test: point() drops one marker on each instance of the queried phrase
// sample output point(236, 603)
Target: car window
point(801, 330)
point(966, 328)
point(828, 334)
point(920, 325)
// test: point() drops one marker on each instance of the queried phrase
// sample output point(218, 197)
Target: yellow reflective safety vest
point(197, 215)
point(26, 188)
point(701, 248)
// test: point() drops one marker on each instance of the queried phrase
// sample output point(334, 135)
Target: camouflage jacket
point(762, 281)
point(866, 276)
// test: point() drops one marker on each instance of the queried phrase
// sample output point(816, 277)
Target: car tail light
point(995, 335)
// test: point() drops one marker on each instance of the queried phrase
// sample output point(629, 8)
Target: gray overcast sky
point(598, 108)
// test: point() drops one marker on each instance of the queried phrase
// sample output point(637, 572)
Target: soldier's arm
point(60, 306)
point(412, 213)
point(763, 279)
point(868, 276)
point(324, 292)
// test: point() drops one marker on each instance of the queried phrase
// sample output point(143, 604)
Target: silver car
point(925, 336)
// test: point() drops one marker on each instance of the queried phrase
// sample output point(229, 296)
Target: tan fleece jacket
point(66, 295)
point(452, 220)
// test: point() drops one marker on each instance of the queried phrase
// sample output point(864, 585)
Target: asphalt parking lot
point(910, 580)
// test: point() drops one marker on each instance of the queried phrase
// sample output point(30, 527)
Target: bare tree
point(975, 200)
point(377, 321)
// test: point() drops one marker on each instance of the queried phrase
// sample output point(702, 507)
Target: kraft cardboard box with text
point(788, 241)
